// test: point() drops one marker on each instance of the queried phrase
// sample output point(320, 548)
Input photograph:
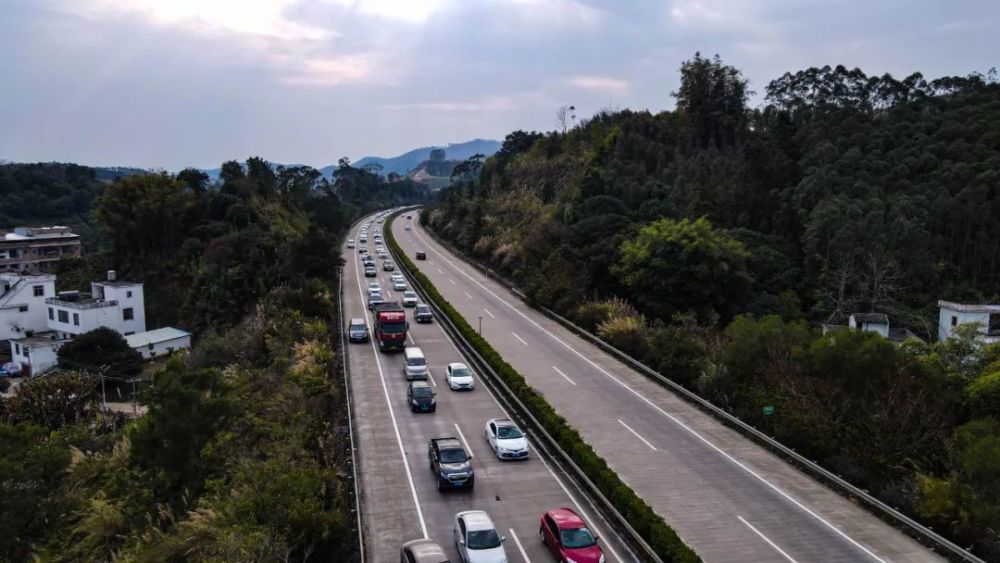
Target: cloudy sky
point(172, 83)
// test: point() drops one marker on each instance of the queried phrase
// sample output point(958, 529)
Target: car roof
point(504, 422)
point(476, 520)
point(415, 384)
point(566, 518)
point(357, 321)
point(454, 365)
point(425, 548)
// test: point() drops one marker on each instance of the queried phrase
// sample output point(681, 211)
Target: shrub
point(628, 334)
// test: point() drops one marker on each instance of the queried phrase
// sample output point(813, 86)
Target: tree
point(53, 401)
point(194, 179)
point(565, 116)
point(437, 155)
point(101, 350)
point(712, 99)
point(145, 216)
point(671, 266)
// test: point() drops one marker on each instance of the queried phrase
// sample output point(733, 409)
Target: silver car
point(477, 538)
point(422, 551)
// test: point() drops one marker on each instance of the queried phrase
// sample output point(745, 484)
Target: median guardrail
point(652, 538)
point(911, 527)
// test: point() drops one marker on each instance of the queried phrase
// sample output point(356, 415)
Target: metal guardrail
point(513, 403)
point(911, 527)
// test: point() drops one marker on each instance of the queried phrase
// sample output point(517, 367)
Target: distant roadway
point(728, 498)
point(398, 491)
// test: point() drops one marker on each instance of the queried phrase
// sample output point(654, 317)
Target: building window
point(127, 314)
point(25, 352)
point(63, 316)
point(76, 319)
point(52, 315)
point(128, 293)
point(954, 321)
point(23, 308)
point(39, 290)
point(17, 349)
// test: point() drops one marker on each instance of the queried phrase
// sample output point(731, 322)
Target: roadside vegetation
point(242, 454)
point(710, 242)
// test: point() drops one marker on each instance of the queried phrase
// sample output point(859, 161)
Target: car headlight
point(569, 561)
point(413, 402)
point(601, 560)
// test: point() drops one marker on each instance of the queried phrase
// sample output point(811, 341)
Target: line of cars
point(475, 536)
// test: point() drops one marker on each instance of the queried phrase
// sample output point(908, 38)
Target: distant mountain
point(407, 162)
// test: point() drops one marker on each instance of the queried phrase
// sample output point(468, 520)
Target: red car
point(568, 538)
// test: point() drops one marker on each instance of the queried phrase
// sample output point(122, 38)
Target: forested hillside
point(711, 241)
point(238, 457)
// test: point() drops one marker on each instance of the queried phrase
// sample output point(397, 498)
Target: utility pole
point(104, 395)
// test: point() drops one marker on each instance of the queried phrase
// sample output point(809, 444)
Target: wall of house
point(164, 348)
point(129, 296)
point(15, 323)
point(879, 328)
point(946, 326)
point(40, 358)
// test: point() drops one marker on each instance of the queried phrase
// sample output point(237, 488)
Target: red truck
point(390, 325)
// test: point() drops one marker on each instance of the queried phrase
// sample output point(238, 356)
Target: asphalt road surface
point(728, 498)
point(398, 491)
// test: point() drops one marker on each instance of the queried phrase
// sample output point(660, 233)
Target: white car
point(350, 243)
point(396, 276)
point(399, 285)
point(477, 538)
point(506, 439)
point(458, 376)
point(374, 286)
point(410, 299)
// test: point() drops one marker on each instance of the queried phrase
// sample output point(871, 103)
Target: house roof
point(970, 307)
point(164, 334)
point(871, 318)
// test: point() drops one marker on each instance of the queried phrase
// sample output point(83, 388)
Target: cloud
point(331, 71)
point(488, 103)
point(606, 83)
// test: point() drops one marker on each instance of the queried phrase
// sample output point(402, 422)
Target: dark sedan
point(357, 331)
point(420, 397)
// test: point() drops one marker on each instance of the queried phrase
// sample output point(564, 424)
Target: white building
point(36, 354)
point(952, 315)
point(870, 322)
point(22, 303)
point(159, 342)
point(117, 305)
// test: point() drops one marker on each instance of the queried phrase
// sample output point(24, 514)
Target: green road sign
point(768, 410)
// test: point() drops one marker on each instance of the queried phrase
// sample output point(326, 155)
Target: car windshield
point(509, 432)
point(483, 539)
point(452, 456)
point(394, 328)
point(422, 392)
point(410, 295)
point(423, 309)
point(577, 537)
point(357, 326)
point(460, 372)
point(416, 362)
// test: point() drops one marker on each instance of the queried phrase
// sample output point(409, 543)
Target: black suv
point(422, 314)
point(357, 331)
point(451, 464)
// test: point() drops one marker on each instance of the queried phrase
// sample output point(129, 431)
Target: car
point(421, 255)
point(410, 299)
point(362, 250)
point(370, 272)
point(409, 216)
point(420, 397)
point(422, 551)
point(363, 239)
point(458, 376)
point(477, 538)
point(397, 276)
point(451, 464)
point(350, 243)
point(388, 266)
point(372, 303)
point(567, 537)
point(375, 297)
point(407, 227)
point(399, 285)
point(368, 261)
point(374, 286)
point(422, 313)
point(383, 255)
point(414, 363)
point(506, 439)
point(357, 331)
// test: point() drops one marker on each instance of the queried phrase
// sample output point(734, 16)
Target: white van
point(415, 366)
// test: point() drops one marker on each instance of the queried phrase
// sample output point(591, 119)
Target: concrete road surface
point(399, 492)
point(728, 498)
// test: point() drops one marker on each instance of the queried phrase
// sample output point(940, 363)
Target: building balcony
point(81, 302)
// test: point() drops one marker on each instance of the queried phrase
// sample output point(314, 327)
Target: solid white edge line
point(487, 311)
point(520, 548)
point(566, 377)
point(644, 441)
point(519, 338)
point(677, 421)
point(766, 539)
point(392, 413)
point(462, 436)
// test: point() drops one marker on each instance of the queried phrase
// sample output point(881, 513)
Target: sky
point(174, 83)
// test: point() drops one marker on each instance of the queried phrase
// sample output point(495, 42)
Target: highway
point(727, 498)
point(400, 500)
